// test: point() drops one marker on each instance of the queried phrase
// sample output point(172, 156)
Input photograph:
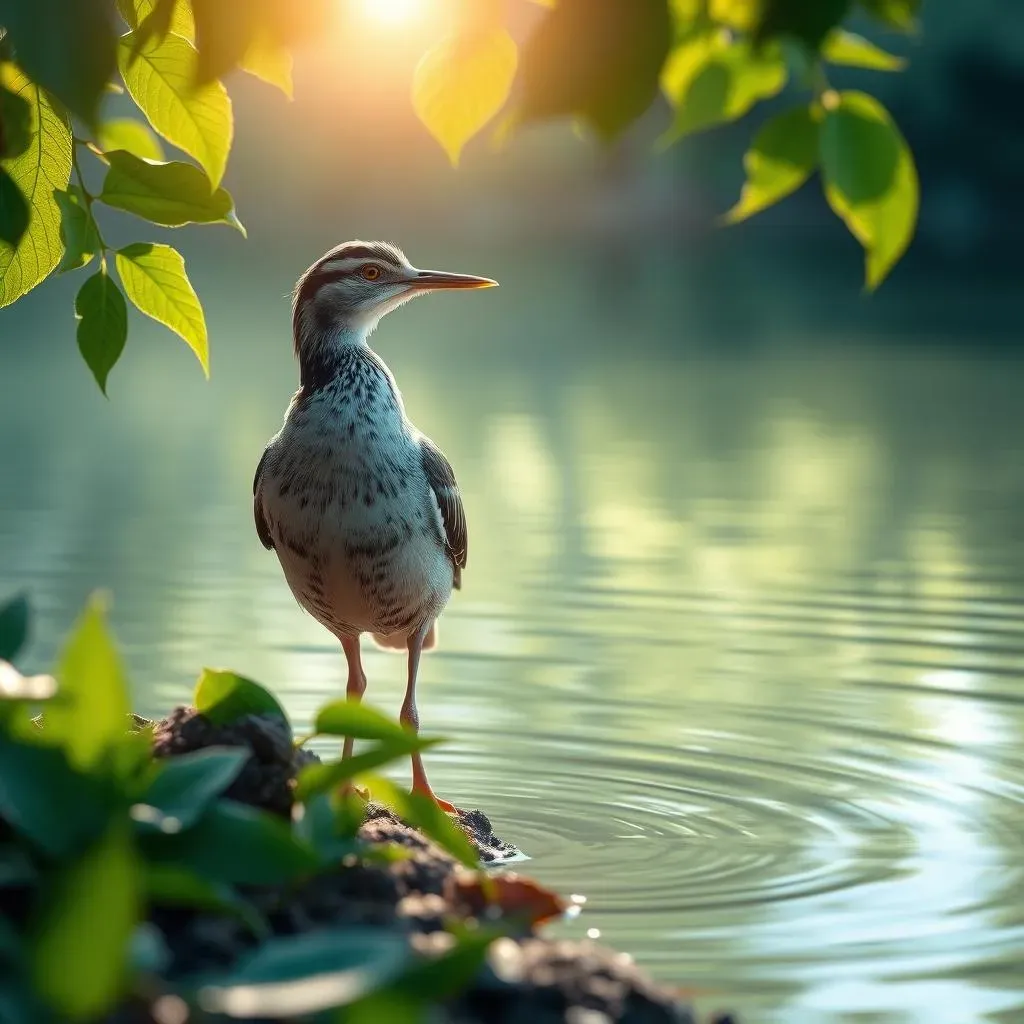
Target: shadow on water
point(740, 653)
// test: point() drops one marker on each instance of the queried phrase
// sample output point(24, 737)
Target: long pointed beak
point(430, 279)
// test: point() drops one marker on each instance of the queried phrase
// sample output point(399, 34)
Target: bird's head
point(341, 298)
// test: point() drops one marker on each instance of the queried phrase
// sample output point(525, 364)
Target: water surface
point(739, 654)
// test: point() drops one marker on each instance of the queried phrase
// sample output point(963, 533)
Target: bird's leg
point(356, 681)
point(410, 718)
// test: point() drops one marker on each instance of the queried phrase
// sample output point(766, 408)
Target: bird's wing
point(262, 526)
point(441, 478)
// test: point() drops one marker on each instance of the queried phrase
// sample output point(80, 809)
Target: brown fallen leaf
point(510, 895)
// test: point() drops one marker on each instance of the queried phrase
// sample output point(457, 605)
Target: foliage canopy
point(602, 63)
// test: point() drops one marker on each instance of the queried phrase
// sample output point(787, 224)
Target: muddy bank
point(525, 978)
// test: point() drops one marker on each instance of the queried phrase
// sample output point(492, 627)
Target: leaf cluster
point(601, 63)
point(95, 832)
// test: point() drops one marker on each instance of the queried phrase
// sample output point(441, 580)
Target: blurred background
point(739, 655)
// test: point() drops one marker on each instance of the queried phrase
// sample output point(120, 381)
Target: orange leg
point(411, 719)
point(356, 681)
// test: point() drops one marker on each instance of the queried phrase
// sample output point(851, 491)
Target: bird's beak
point(431, 279)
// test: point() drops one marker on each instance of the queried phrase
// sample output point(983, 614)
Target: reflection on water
point(740, 653)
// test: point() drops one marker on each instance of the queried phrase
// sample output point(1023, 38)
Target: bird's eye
point(371, 272)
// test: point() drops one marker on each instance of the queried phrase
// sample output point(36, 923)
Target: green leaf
point(600, 62)
point(237, 845)
point(55, 808)
point(187, 784)
point(170, 885)
point(897, 14)
point(461, 83)
point(421, 812)
point(43, 167)
point(160, 17)
point(93, 712)
point(130, 135)
point(14, 623)
point(102, 326)
point(808, 22)
point(783, 156)
point(77, 230)
point(224, 697)
point(319, 778)
point(80, 952)
point(194, 118)
point(842, 47)
point(16, 870)
point(13, 211)
point(270, 61)
point(65, 46)
point(293, 976)
point(358, 720)
point(15, 124)
point(728, 83)
point(686, 60)
point(154, 279)
point(170, 194)
point(870, 179)
point(329, 823)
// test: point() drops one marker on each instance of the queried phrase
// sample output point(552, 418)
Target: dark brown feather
point(441, 478)
point(262, 526)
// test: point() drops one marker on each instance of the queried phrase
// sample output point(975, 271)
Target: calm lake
point(740, 650)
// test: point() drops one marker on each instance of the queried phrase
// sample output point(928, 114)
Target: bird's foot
point(423, 789)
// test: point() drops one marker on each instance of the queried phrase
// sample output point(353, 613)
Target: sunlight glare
point(393, 12)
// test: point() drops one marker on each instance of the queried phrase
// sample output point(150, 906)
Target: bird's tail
point(400, 641)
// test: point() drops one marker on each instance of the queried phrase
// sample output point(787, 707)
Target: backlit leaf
point(163, 16)
point(43, 167)
point(14, 623)
point(102, 325)
point(726, 85)
point(421, 812)
point(783, 156)
point(154, 279)
point(842, 47)
point(461, 83)
point(170, 194)
point(64, 46)
point(13, 211)
point(319, 778)
point(77, 230)
point(870, 179)
point(599, 60)
point(224, 697)
point(224, 31)
point(93, 712)
point(269, 60)
point(130, 135)
point(362, 722)
point(197, 119)
point(80, 951)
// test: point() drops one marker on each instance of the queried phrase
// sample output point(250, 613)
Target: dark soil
point(528, 979)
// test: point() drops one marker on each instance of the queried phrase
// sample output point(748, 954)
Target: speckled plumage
point(362, 509)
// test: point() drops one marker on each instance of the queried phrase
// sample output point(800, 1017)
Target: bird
point(362, 510)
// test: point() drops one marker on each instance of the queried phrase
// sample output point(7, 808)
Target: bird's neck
point(322, 353)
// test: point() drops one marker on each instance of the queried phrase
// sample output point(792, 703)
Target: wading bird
point(362, 509)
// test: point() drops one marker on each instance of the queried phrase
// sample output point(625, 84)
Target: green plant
point(95, 831)
point(601, 62)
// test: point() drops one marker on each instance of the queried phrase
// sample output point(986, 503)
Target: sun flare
point(393, 12)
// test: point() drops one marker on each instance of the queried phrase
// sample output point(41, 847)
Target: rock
point(267, 779)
